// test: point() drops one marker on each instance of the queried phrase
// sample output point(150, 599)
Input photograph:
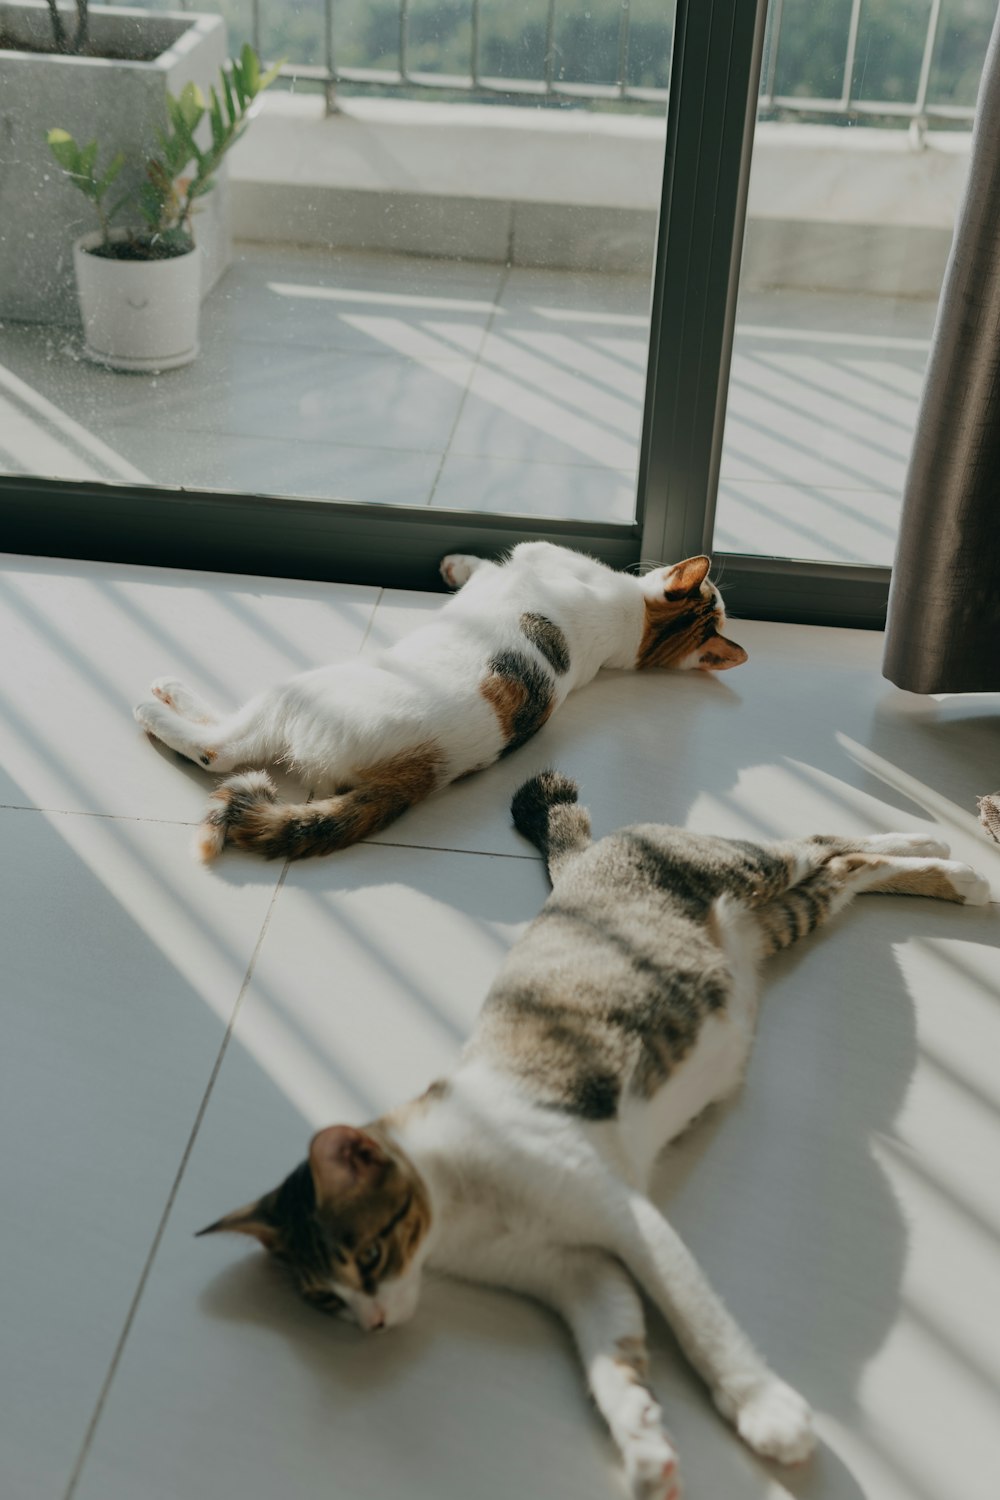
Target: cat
point(626, 1008)
point(373, 736)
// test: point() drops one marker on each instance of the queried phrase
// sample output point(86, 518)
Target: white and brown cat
point(373, 736)
point(626, 1008)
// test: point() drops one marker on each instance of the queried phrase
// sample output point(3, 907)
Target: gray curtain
point(944, 604)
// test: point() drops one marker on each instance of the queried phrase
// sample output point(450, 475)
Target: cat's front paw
point(457, 568)
point(911, 844)
point(776, 1422)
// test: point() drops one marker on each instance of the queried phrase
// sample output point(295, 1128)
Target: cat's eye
point(327, 1302)
point(368, 1257)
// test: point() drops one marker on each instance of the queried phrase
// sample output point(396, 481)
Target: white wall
point(841, 208)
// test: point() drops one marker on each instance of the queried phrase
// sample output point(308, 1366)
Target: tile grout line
point(449, 849)
point(86, 812)
point(371, 620)
point(488, 329)
point(92, 1426)
point(80, 812)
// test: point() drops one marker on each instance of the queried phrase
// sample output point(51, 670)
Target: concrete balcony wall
point(830, 208)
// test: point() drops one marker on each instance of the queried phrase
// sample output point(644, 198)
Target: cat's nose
point(376, 1319)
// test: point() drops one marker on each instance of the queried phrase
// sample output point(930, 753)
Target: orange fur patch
point(632, 1356)
point(673, 628)
point(380, 794)
point(522, 703)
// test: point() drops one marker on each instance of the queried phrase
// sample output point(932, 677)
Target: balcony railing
point(921, 78)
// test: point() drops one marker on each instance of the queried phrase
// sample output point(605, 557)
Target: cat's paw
point(650, 1457)
point(168, 690)
point(969, 886)
point(651, 1469)
point(776, 1422)
point(914, 844)
point(181, 699)
point(153, 717)
point(457, 568)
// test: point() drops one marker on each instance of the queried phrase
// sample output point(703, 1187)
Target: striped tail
point(244, 811)
point(545, 810)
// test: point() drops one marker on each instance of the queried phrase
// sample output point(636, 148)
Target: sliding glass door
point(475, 277)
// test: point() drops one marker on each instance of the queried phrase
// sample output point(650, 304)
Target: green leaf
point(88, 157)
point(150, 203)
point(175, 112)
point(113, 169)
point(116, 208)
point(238, 84)
point(251, 70)
point(64, 149)
point(268, 78)
point(192, 106)
point(231, 110)
point(215, 115)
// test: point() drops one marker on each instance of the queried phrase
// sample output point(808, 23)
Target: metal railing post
point(330, 83)
point(550, 47)
point(849, 57)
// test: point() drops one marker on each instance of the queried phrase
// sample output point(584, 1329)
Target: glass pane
point(443, 217)
point(853, 194)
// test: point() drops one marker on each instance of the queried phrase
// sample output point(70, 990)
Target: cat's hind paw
point(651, 1469)
point(649, 1455)
point(152, 716)
point(181, 699)
point(776, 1422)
point(457, 568)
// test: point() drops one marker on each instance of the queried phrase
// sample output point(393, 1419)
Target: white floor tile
point(122, 964)
point(83, 641)
point(259, 465)
point(503, 486)
point(370, 976)
point(844, 1204)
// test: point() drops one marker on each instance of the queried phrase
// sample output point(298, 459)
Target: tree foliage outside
point(586, 42)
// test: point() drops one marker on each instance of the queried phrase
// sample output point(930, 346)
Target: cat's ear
point(685, 577)
point(342, 1159)
point(718, 654)
point(253, 1218)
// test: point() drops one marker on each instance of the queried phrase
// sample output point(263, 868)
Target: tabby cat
point(625, 1009)
point(373, 736)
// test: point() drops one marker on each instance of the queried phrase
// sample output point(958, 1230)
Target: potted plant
point(139, 284)
point(104, 72)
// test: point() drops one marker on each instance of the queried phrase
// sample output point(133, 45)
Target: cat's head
point(684, 620)
point(351, 1224)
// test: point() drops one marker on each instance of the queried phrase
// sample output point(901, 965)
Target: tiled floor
point(171, 1034)
point(421, 382)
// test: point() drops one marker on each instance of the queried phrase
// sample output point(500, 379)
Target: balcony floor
point(468, 386)
point(171, 1035)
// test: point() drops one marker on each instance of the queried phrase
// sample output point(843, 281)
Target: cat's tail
point(546, 811)
point(244, 811)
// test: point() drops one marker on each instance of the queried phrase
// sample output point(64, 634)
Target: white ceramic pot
point(138, 314)
point(116, 97)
